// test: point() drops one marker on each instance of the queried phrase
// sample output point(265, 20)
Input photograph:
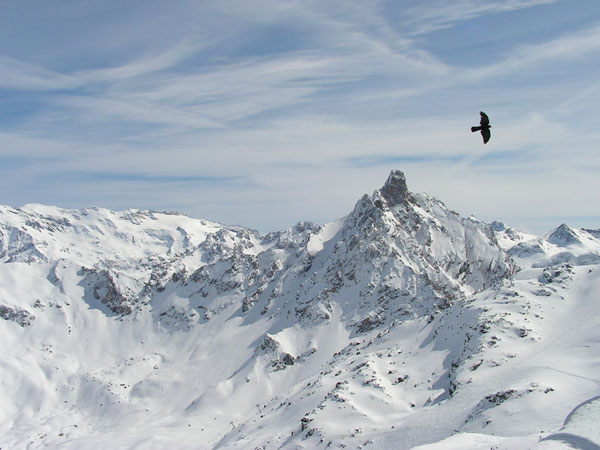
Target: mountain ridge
point(386, 317)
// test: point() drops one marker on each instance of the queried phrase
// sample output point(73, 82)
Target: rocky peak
point(498, 226)
point(594, 233)
point(394, 190)
point(563, 236)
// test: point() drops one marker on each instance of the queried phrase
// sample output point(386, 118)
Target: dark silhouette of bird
point(484, 127)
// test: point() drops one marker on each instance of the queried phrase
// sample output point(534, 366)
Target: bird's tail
point(474, 129)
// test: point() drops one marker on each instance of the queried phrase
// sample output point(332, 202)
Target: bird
point(484, 127)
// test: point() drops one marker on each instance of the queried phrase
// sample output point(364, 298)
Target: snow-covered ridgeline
point(400, 317)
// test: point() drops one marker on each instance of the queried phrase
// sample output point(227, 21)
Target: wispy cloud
point(207, 99)
point(398, 160)
point(561, 50)
point(15, 74)
point(134, 178)
point(438, 14)
point(142, 66)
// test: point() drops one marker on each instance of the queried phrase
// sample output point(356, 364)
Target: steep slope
point(395, 326)
point(561, 245)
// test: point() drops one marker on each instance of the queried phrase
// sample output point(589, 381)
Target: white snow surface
point(399, 326)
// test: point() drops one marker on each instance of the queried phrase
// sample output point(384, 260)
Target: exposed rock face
point(18, 246)
point(498, 226)
point(594, 233)
point(394, 191)
point(17, 315)
point(563, 236)
point(101, 285)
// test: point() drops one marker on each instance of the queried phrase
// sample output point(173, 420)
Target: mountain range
point(401, 325)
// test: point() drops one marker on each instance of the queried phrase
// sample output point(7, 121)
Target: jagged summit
point(498, 226)
point(394, 190)
point(563, 236)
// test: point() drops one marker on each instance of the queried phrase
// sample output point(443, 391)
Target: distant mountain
point(399, 325)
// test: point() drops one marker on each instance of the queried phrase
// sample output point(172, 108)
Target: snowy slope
point(399, 325)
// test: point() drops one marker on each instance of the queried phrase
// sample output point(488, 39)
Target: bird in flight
point(484, 127)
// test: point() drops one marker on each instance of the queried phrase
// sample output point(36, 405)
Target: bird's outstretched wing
point(485, 132)
point(484, 119)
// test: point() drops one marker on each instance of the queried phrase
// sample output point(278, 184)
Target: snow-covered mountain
point(402, 324)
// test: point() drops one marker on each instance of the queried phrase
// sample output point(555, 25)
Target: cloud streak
point(557, 51)
point(431, 16)
point(20, 75)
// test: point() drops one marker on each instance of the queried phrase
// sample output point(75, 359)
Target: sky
point(269, 112)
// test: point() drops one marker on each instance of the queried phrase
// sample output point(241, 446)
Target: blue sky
point(268, 112)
